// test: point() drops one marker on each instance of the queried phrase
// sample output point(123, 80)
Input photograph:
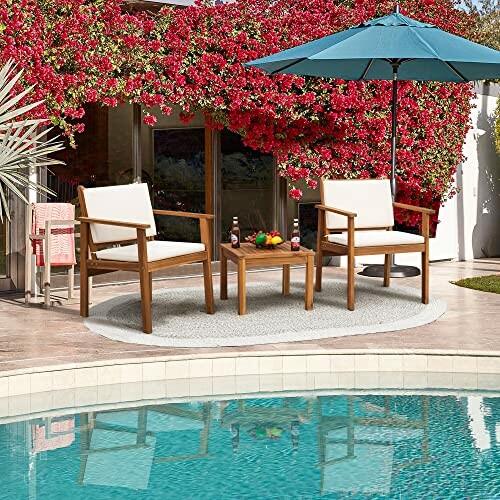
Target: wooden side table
point(248, 255)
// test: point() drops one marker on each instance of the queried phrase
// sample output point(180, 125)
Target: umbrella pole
point(377, 270)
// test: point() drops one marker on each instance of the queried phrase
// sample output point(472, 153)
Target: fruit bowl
point(269, 240)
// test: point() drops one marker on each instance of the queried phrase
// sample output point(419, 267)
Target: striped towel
point(65, 428)
point(62, 239)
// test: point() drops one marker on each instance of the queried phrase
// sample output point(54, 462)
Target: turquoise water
point(366, 446)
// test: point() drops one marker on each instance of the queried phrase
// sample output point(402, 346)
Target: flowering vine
point(91, 50)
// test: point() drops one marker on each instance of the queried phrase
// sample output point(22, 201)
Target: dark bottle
point(295, 240)
point(235, 234)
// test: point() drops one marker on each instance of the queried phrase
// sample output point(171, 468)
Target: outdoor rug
point(179, 318)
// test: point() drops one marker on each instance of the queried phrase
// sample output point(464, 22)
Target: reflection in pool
point(295, 447)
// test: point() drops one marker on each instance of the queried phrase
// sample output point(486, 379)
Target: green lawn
point(484, 283)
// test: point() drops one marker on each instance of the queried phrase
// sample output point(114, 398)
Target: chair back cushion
point(126, 203)
point(370, 199)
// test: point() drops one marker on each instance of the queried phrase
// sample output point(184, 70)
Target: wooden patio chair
point(118, 229)
point(356, 218)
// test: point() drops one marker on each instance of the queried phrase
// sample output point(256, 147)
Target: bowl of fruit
point(268, 240)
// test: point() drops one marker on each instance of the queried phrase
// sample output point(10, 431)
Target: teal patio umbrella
point(394, 47)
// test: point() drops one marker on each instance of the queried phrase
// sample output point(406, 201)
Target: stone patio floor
point(34, 337)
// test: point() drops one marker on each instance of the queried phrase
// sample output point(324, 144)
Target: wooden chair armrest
point(336, 211)
point(133, 225)
point(175, 213)
point(414, 208)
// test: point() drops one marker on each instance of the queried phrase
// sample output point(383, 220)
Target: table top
point(249, 250)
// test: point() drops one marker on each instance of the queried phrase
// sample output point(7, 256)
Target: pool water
point(342, 446)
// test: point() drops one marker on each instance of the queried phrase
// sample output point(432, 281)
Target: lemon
point(276, 240)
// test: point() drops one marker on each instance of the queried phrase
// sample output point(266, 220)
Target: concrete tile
point(155, 389)
point(415, 380)
point(63, 379)
point(271, 382)
point(19, 385)
point(366, 362)
point(294, 364)
point(64, 398)
point(326, 380)
point(439, 364)
point(224, 385)
point(464, 380)
point(443, 380)
point(296, 382)
point(4, 407)
point(4, 387)
point(341, 363)
point(177, 388)
point(247, 383)
point(86, 396)
point(488, 364)
point(200, 386)
point(153, 371)
point(176, 370)
point(270, 365)
point(319, 363)
point(41, 382)
point(247, 366)
point(131, 373)
point(19, 405)
point(346, 380)
point(109, 375)
point(109, 393)
point(200, 368)
point(224, 367)
point(488, 381)
point(414, 363)
point(41, 401)
point(132, 391)
point(366, 380)
point(85, 377)
point(391, 380)
point(390, 363)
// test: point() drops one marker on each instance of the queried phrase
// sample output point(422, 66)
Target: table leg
point(309, 282)
point(242, 293)
point(286, 280)
point(223, 275)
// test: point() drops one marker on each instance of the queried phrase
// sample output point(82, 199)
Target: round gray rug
point(179, 318)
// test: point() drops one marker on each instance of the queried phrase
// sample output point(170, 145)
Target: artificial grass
point(484, 283)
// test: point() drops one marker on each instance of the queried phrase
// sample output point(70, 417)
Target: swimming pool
point(307, 447)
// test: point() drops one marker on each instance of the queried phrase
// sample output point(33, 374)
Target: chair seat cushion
point(377, 238)
point(157, 250)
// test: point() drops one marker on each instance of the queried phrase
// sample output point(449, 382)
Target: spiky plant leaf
point(23, 145)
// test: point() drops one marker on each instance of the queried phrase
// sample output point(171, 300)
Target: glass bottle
point(235, 234)
point(295, 240)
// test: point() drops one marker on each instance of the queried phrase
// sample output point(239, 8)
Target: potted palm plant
point(23, 142)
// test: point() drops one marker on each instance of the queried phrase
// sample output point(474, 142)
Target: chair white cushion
point(377, 238)
point(370, 199)
point(127, 203)
point(157, 250)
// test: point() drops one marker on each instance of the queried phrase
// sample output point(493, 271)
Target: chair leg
point(425, 277)
point(147, 325)
point(350, 281)
point(319, 269)
point(387, 270)
point(209, 288)
point(84, 276)
point(27, 277)
point(151, 287)
point(84, 292)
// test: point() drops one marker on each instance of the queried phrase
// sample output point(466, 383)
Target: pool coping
point(56, 377)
